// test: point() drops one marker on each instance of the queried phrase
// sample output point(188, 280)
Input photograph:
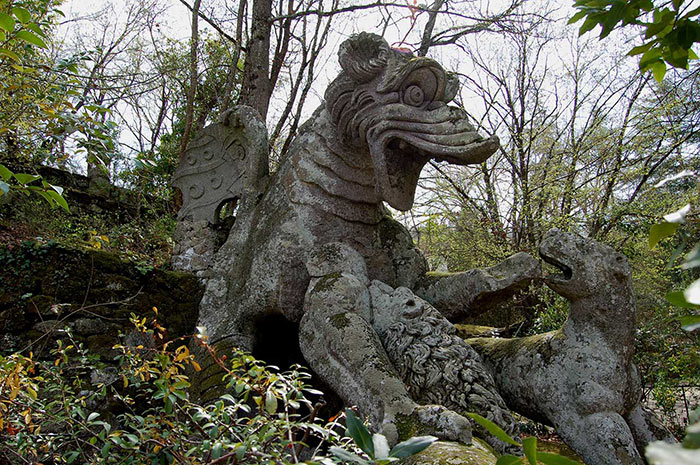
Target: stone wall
point(46, 287)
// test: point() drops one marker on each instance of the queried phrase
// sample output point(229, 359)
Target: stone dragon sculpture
point(384, 117)
point(314, 245)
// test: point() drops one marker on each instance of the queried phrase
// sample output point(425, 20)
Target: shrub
point(74, 409)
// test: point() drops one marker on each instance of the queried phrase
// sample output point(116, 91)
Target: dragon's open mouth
point(401, 143)
point(403, 164)
point(566, 271)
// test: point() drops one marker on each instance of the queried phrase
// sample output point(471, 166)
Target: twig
point(214, 25)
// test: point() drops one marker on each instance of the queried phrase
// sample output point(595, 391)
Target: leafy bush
point(75, 409)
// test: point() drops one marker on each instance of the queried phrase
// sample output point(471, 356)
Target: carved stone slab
point(221, 163)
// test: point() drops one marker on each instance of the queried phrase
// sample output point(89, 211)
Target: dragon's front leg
point(340, 345)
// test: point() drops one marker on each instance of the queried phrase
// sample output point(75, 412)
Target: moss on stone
point(339, 321)
point(38, 276)
point(391, 232)
point(408, 426)
point(439, 274)
point(466, 331)
point(499, 349)
point(451, 453)
point(326, 282)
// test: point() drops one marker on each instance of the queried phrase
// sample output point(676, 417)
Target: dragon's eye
point(413, 95)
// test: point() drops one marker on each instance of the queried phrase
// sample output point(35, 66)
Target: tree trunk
point(256, 89)
point(191, 91)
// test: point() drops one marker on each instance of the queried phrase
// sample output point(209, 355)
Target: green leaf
point(4, 188)
point(678, 216)
point(58, 189)
point(692, 260)
point(346, 456)
point(35, 28)
point(660, 231)
point(577, 17)
point(5, 173)
point(530, 449)
point(587, 25)
point(649, 57)
point(92, 416)
point(658, 69)
point(359, 433)
point(508, 459)
point(71, 456)
point(548, 458)
point(492, 428)
point(7, 22)
point(25, 178)
point(640, 49)
point(21, 14)
point(9, 54)
point(678, 299)
point(270, 402)
point(411, 446)
point(32, 38)
point(677, 4)
point(217, 451)
point(690, 322)
point(646, 5)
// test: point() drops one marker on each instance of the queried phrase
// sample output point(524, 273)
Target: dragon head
point(394, 106)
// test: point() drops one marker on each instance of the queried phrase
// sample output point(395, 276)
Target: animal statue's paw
point(434, 420)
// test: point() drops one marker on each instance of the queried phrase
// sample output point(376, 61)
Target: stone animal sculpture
point(438, 366)
point(384, 117)
point(581, 379)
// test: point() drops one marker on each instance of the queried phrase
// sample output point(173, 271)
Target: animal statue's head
point(393, 106)
point(401, 306)
point(588, 268)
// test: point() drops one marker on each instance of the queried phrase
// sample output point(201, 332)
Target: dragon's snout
point(394, 105)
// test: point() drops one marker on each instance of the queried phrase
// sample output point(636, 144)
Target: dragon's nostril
point(411, 302)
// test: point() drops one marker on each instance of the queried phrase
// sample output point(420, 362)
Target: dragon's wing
point(226, 161)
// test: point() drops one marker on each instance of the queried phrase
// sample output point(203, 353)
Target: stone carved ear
point(363, 56)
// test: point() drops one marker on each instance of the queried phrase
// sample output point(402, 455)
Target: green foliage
point(139, 230)
point(670, 30)
point(690, 297)
point(376, 447)
point(529, 445)
point(142, 412)
point(26, 184)
point(43, 105)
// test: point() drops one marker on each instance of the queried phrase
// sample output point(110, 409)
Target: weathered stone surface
point(458, 295)
point(335, 257)
point(49, 295)
point(437, 366)
point(451, 453)
point(223, 162)
point(337, 312)
point(194, 248)
point(581, 379)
